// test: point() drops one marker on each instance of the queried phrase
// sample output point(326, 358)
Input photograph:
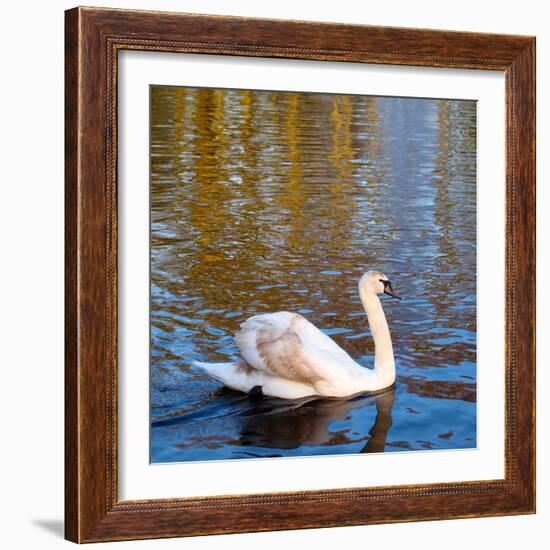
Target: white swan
point(288, 357)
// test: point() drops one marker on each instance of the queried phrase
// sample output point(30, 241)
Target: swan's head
point(376, 282)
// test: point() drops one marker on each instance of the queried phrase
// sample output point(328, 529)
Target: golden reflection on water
point(267, 201)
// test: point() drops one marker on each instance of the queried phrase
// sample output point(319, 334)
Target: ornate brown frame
point(93, 511)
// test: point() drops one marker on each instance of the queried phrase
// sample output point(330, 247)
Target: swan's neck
point(384, 363)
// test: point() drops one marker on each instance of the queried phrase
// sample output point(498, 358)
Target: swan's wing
point(287, 345)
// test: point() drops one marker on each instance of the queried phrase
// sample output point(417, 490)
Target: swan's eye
point(385, 283)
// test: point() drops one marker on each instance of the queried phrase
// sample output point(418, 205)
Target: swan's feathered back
point(272, 344)
point(287, 345)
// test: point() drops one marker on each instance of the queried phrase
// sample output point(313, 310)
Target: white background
point(31, 223)
point(138, 479)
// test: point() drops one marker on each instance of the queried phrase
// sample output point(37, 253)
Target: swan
point(286, 356)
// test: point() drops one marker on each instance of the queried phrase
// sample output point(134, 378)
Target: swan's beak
point(389, 291)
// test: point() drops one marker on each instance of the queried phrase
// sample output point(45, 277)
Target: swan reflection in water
point(271, 424)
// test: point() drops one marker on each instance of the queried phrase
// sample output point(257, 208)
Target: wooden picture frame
point(93, 39)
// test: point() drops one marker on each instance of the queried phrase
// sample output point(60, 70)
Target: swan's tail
point(241, 376)
point(237, 376)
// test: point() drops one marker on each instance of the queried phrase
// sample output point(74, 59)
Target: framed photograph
point(300, 274)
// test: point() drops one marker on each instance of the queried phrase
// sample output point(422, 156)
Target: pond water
point(279, 201)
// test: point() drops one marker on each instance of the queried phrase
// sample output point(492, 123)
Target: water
point(270, 201)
